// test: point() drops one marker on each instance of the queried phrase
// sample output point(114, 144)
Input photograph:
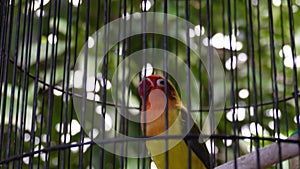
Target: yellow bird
point(153, 124)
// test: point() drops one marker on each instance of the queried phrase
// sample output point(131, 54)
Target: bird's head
point(153, 82)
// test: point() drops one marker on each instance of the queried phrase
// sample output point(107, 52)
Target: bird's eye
point(160, 82)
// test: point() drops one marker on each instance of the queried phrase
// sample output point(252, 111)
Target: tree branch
point(268, 155)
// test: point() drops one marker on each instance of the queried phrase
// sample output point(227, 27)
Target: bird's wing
point(198, 148)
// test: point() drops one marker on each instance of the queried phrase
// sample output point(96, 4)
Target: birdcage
point(75, 79)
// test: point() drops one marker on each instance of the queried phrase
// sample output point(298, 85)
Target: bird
point(153, 122)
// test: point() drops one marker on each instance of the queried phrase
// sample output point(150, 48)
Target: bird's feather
point(197, 147)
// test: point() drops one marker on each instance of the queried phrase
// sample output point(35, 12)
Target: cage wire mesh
point(70, 72)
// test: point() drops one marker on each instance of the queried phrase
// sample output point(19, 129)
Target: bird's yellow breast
point(177, 157)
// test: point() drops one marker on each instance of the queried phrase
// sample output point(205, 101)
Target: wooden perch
point(268, 156)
